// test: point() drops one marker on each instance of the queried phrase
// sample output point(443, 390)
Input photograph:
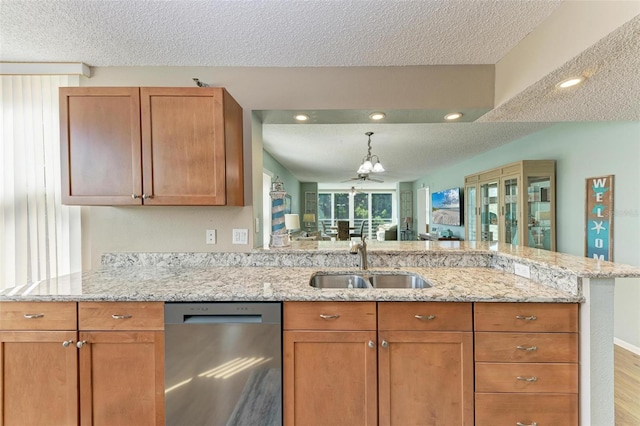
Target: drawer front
point(526, 317)
point(510, 409)
point(329, 316)
point(120, 316)
point(526, 347)
point(425, 316)
point(38, 316)
point(526, 377)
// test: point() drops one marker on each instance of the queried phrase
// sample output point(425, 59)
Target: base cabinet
point(367, 363)
point(54, 371)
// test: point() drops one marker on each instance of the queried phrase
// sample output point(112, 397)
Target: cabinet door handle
point(146, 196)
point(81, 344)
point(527, 348)
point(385, 344)
point(114, 316)
point(67, 343)
point(527, 318)
point(526, 424)
point(372, 344)
point(425, 317)
point(32, 316)
point(135, 196)
point(329, 317)
point(527, 379)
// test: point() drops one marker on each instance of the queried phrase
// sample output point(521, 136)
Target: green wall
point(581, 150)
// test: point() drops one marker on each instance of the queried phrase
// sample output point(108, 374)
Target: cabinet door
point(425, 378)
point(121, 378)
point(330, 378)
point(38, 378)
point(100, 145)
point(510, 210)
point(471, 211)
point(489, 211)
point(183, 145)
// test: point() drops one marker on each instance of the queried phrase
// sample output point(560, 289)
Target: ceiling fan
point(363, 177)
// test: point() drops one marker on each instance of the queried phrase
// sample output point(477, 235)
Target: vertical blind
point(39, 237)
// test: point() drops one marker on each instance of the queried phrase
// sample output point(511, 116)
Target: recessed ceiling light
point(301, 117)
point(377, 115)
point(453, 116)
point(570, 82)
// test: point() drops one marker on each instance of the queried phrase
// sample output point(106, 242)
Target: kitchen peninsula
point(465, 272)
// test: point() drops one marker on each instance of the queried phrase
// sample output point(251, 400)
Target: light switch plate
point(521, 270)
point(240, 236)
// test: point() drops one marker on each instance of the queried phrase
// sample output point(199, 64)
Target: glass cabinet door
point(472, 214)
point(510, 210)
point(489, 211)
point(539, 212)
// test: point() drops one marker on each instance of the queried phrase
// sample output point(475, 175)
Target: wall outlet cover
point(211, 236)
point(521, 270)
point(240, 236)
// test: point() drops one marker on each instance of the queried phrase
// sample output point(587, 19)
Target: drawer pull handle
point(81, 344)
point(67, 343)
point(329, 317)
point(527, 379)
point(32, 316)
point(526, 424)
point(114, 316)
point(425, 317)
point(529, 318)
point(527, 348)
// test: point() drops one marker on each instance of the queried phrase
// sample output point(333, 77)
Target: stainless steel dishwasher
point(223, 364)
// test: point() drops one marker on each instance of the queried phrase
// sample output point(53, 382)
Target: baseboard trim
point(627, 346)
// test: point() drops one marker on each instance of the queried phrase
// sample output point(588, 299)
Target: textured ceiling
point(324, 33)
point(274, 33)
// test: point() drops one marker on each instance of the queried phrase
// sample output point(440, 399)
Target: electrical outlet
point(257, 230)
point(211, 236)
point(521, 270)
point(240, 236)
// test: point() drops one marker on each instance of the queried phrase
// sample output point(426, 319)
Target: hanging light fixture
point(370, 163)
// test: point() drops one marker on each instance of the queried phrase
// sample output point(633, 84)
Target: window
point(374, 208)
point(39, 237)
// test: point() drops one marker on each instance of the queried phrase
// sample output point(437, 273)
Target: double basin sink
point(329, 280)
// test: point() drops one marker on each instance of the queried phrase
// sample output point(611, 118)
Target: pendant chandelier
point(370, 163)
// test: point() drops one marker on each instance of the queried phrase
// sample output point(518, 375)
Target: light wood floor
point(627, 387)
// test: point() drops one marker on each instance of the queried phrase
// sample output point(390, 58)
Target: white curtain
point(39, 237)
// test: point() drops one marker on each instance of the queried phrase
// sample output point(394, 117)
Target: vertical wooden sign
point(599, 218)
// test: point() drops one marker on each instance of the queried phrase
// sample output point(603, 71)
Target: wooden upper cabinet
point(100, 145)
point(163, 146)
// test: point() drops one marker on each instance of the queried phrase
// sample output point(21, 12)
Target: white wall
point(581, 150)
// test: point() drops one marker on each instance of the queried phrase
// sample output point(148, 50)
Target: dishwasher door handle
point(222, 319)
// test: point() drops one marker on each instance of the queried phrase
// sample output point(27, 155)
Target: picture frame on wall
point(287, 204)
point(599, 218)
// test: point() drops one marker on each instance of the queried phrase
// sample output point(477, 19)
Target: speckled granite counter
point(458, 271)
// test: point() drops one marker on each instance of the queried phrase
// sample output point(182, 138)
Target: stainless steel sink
point(398, 281)
point(373, 280)
point(338, 281)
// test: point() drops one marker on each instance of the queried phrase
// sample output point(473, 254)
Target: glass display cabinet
point(513, 204)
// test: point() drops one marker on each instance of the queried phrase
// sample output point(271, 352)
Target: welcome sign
point(599, 218)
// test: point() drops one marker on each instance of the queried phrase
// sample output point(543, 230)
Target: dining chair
point(358, 234)
point(343, 230)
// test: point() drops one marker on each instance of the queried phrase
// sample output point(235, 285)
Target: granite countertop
point(458, 271)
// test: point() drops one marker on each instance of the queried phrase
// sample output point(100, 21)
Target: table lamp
point(309, 219)
point(407, 220)
point(291, 222)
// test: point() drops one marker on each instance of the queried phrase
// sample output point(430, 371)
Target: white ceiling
point(308, 33)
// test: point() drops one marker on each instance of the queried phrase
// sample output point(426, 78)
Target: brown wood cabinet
point(416, 356)
point(121, 367)
point(151, 146)
point(89, 363)
point(526, 363)
point(38, 375)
